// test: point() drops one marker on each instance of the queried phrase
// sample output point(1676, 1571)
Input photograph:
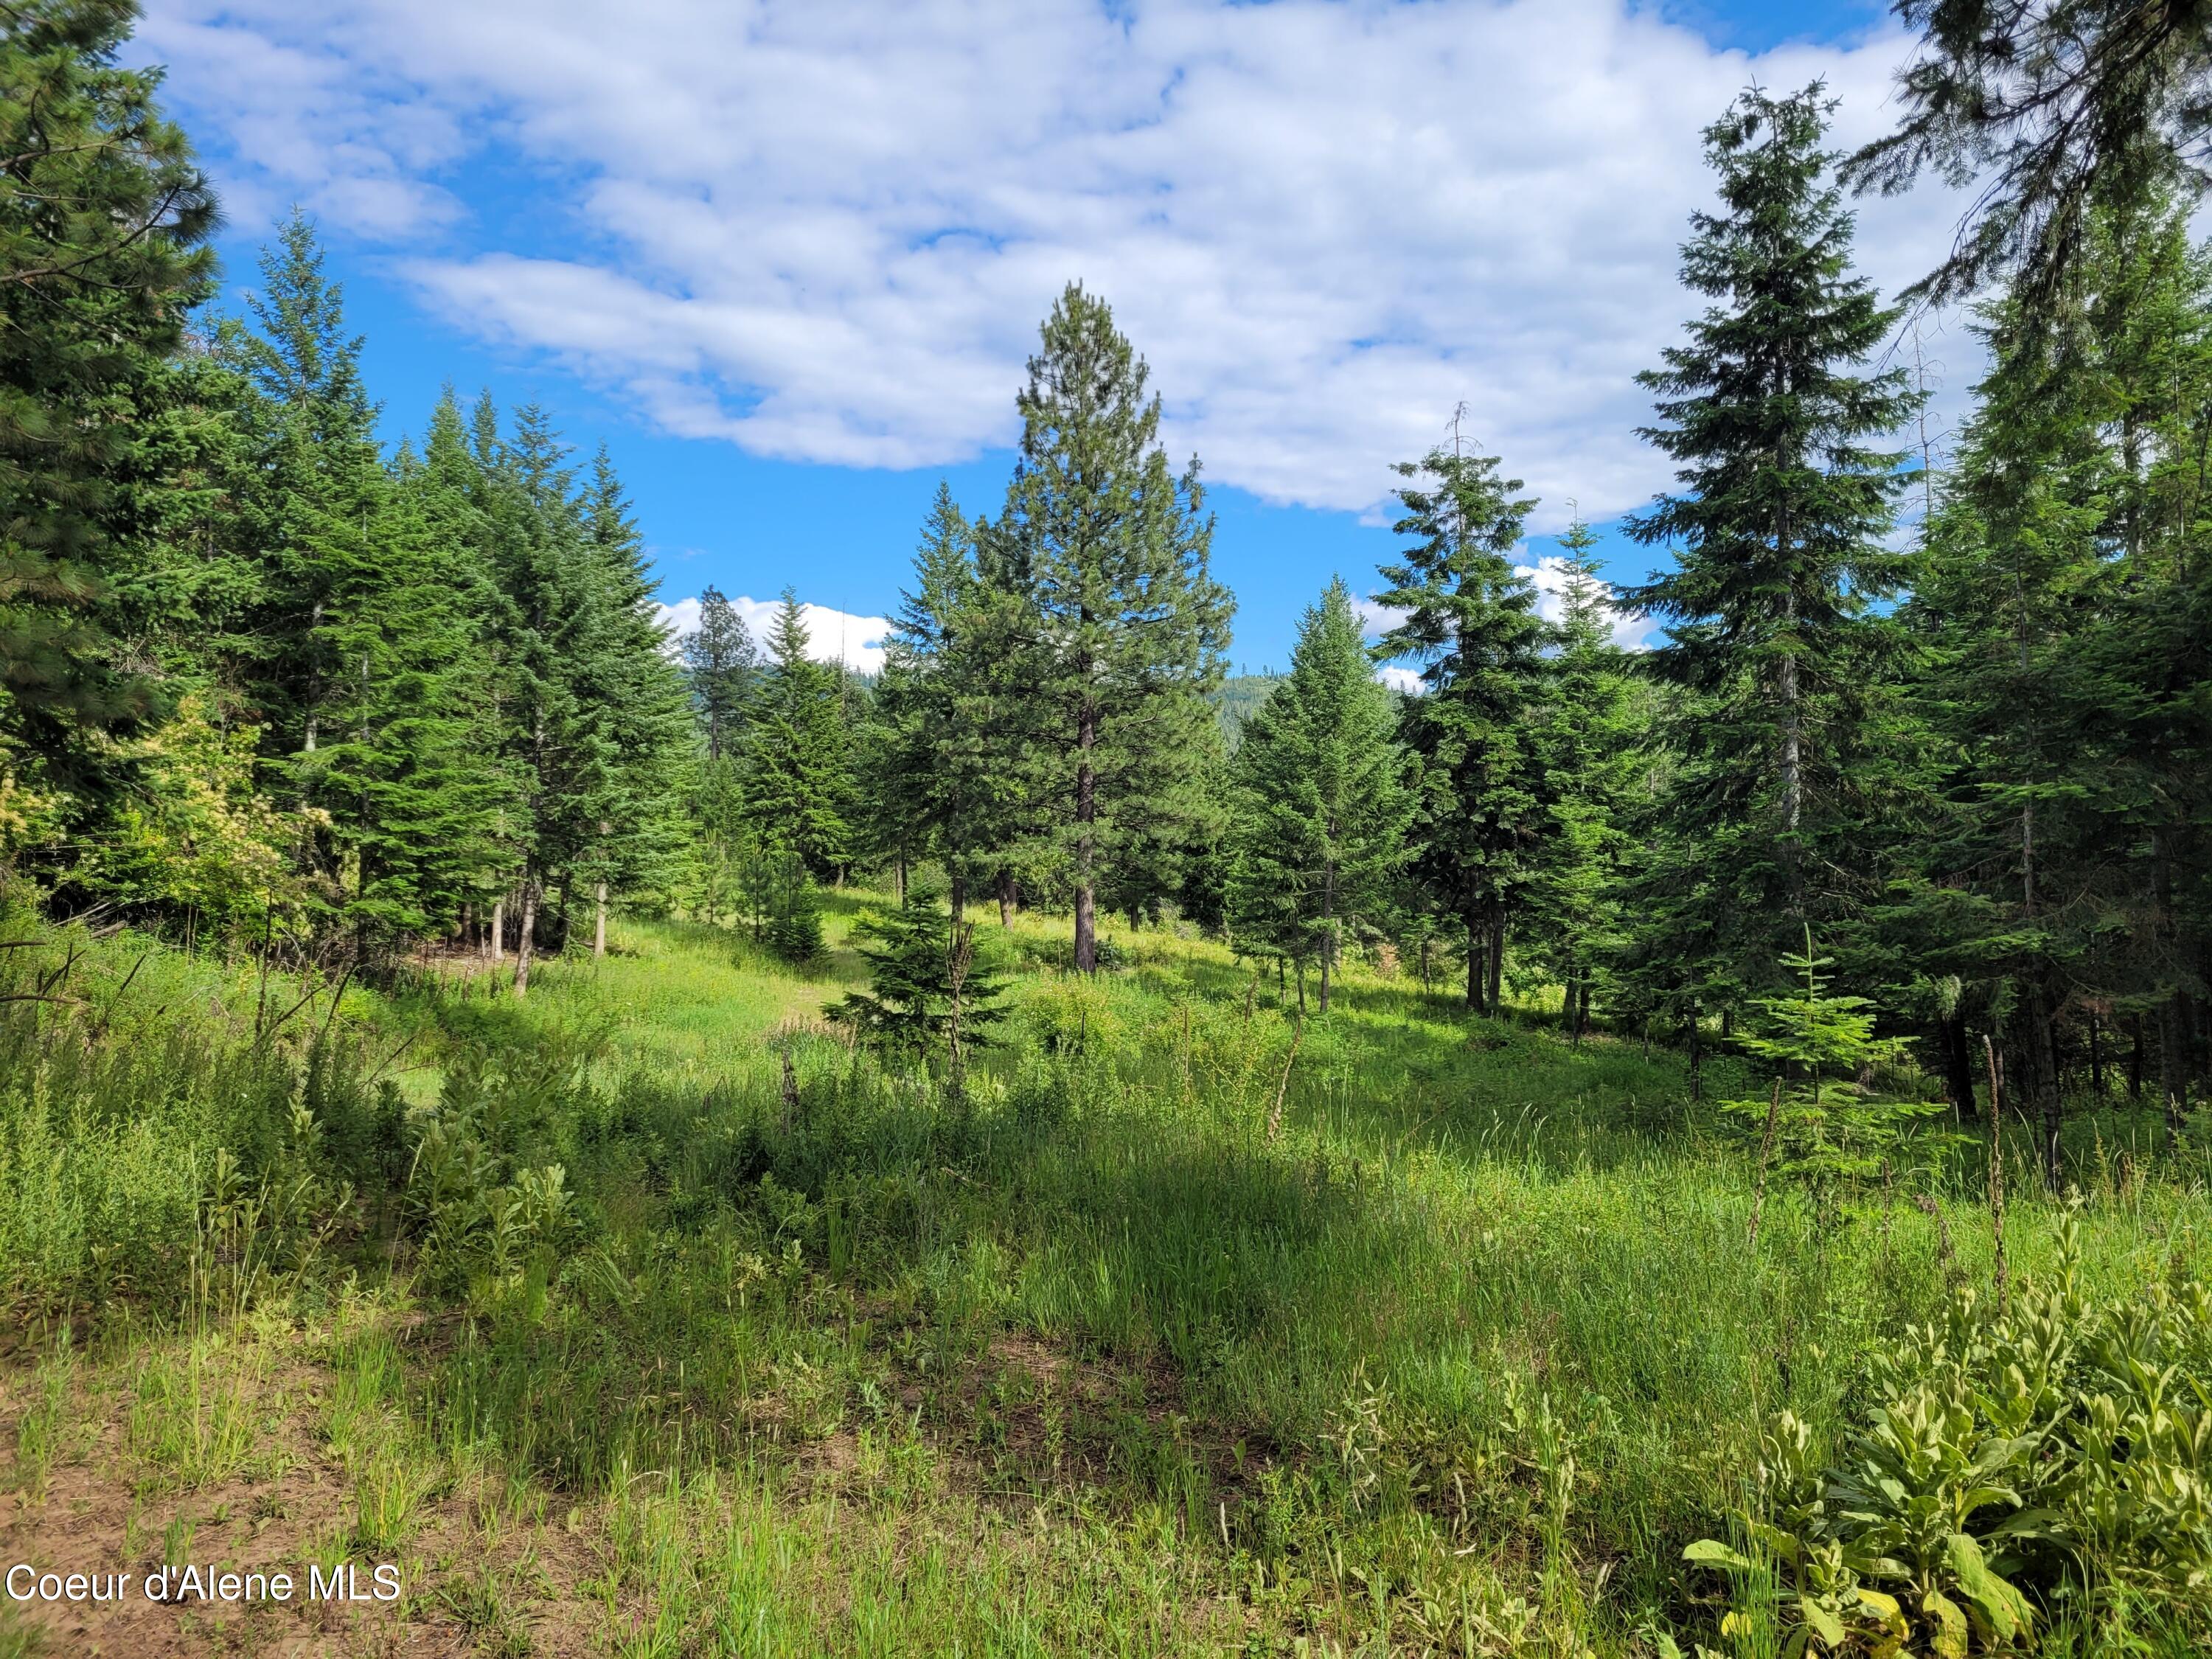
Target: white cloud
point(1398, 678)
point(827, 232)
point(1632, 631)
point(831, 636)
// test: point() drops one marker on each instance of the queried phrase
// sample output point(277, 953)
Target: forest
point(685, 1147)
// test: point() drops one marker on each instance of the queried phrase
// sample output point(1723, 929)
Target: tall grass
point(1458, 1360)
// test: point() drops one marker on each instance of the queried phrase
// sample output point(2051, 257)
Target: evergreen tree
point(1109, 549)
point(945, 769)
point(799, 759)
point(103, 222)
point(724, 664)
point(621, 667)
point(1588, 732)
point(1319, 831)
point(927, 988)
point(1470, 619)
point(369, 665)
point(1778, 538)
point(2063, 609)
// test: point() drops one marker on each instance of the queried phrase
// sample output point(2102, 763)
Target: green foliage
point(1470, 620)
point(1772, 647)
point(798, 756)
point(928, 987)
point(2012, 1467)
point(1107, 551)
point(103, 222)
point(724, 666)
point(1319, 833)
point(1825, 1124)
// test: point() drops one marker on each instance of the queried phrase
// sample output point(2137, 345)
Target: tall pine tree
point(1110, 549)
point(1778, 538)
point(1470, 620)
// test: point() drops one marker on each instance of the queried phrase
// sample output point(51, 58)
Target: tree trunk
point(2135, 1057)
point(495, 945)
point(2175, 1019)
point(1086, 817)
point(1958, 1065)
point(1328, 926)
point(1475, 977)
point(1497, 953)
point(1006, 898)
point(522, 943)
point(599, 920)
point(1697, 1055)
point(2037, 1088)
point(2096, 1060)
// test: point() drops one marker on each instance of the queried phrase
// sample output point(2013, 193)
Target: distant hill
point(1238, 699)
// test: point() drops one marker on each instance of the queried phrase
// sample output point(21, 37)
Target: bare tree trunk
point(1006, 898)
point(1328, 926)
point(599, 921)
point(522, 943)
point(958, 894)
point(1498, 955)
point(1086, 849)
point(2175, 1018)
point(1958, 1065)
point(495, 946)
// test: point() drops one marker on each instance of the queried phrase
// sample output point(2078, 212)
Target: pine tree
point(103, 222)
point(2063, 609)
point(799, 759)
point(724, 664)
point(621, 667)
point(1778, 538)
point(1318, 832)
point(946, 772)
point(1109, 549)
point(1470, 619)
point(1588, 732)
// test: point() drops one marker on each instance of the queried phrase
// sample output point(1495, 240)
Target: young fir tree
point(943, 763)
point(799, 759)
point(1470, 619)
point(103, 222)
point(1318, 829)
point(927, 990)
point(1590, 730)
point(1777, 539)
point(1109, 549)
point(725, 668)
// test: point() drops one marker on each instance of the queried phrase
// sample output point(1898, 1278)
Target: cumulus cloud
point(826, 233)
point(1548, 576)
point(831, 636)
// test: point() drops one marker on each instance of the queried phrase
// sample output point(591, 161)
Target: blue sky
point(784, 261)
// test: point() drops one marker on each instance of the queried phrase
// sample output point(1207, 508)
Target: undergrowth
point(1456, 1355)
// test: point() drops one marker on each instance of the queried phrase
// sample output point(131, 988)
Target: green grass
point(1085, 1362)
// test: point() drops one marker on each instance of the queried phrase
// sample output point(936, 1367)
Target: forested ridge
point(1050, 1147)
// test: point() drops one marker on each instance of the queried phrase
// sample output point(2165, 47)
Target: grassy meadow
point(645, 1317)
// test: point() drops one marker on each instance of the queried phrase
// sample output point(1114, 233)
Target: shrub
point(2013, 1460)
